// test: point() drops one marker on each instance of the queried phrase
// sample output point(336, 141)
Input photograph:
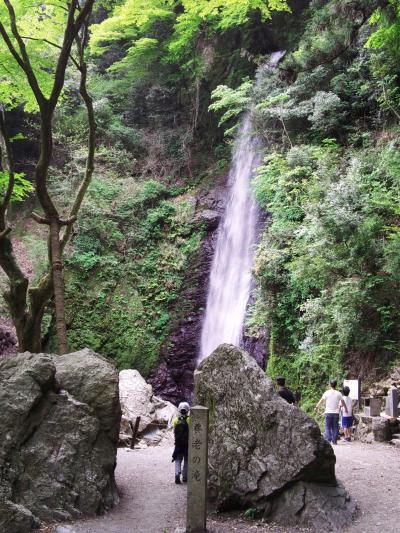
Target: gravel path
point(152, 503)
point(371, 473)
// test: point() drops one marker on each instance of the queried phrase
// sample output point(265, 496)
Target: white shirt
point(349, 404)
point(332, 401)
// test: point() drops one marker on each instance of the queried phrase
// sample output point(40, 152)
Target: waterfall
point(230, 277)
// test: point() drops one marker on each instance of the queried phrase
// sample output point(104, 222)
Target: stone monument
point(392, 403)
point(197, 480)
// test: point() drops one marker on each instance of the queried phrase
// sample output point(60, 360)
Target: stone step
point(396, 436)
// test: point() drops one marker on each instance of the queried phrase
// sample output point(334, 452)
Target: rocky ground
point(151, 503)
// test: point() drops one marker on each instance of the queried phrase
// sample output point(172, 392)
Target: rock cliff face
point(265, 453)
point(59, 424)
point(173, 378)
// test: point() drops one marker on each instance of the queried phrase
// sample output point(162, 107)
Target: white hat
point(183, 406)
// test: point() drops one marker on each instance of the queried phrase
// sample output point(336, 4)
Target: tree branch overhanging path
point(27, 305)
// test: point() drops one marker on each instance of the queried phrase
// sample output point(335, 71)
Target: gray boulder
point(59, 424)
point(137, 400)
point(374, 428)
point(263, 452)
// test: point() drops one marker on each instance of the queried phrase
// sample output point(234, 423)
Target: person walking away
point(347, 419)
point(181, 435)
point(333, 400)
point(283, 391)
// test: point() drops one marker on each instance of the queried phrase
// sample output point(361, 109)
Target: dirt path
point(152, 503)
point(371, 474)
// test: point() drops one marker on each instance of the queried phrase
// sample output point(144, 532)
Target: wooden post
point(134, 431)
point(196, 515)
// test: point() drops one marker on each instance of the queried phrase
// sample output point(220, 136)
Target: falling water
point(230, 277)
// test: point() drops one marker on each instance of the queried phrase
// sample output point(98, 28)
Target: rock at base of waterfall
point(263, 452)
point(137, 400)
point(59, 425)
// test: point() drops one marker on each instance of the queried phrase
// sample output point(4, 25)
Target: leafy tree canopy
point(41, 26)
point(137, 23)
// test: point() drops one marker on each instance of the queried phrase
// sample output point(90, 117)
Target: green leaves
point(232, 101)
point(387, 23)
point(39, 25)
point(134, 23)
point(22, 187)
point(328, 263)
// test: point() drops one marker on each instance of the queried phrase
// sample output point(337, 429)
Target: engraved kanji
point(196, 475)
point(197, 444)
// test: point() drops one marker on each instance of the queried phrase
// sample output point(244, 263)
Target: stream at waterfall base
point(152, 503)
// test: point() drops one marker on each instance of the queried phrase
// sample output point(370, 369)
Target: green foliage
point(387, 34)
point(326, 264)
point(39, 24)
point(134, 242)
point(134, 22)
point(251, 512)
point(22, 187)
point(232, 101)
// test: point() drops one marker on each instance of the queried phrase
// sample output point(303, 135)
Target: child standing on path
point(347, 419)
point(181, 434)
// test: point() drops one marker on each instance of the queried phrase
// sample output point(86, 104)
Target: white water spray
point(230, 277)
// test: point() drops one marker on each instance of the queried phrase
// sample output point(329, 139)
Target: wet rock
point(265, 453)
point(137, 400)
point(59, 425)
point(208, 219)
point(172, 379)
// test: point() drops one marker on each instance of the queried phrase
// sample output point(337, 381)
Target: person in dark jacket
point(181, 434)
point(283, 391)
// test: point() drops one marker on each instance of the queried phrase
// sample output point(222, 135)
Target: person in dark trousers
point(283, 391)
point(333, 400)
point(181, 434)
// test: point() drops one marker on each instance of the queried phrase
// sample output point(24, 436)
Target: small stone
point(64, 529)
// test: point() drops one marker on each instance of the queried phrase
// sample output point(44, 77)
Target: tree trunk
point(27, 307)
point(58, 285)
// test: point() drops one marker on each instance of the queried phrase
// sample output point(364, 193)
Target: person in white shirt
point(333, 401)
point(347, 419)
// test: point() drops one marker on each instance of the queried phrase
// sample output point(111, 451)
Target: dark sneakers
point(178, 479)
point(184, 479)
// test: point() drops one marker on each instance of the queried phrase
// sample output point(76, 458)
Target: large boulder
point(263, 452)
point(59, 425)
point(137, 400)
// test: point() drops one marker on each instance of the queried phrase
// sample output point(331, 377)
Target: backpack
point(181, 432)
